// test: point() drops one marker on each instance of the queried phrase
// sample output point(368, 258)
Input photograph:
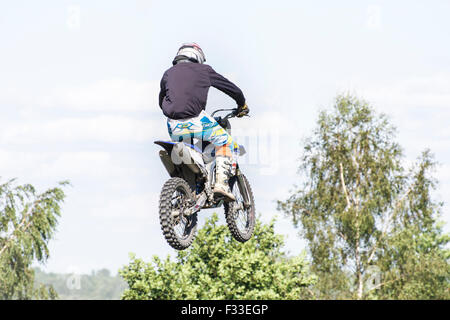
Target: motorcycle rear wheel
point(179, 230)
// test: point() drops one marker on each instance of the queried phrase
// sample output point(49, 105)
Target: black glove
point(242, 111)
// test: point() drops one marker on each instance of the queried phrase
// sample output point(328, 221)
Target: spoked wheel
point(240, 218)
point(178, 229)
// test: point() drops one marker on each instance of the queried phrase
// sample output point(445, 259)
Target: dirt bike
point(192, 171)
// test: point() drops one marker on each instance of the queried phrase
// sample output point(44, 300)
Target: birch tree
point(28, 221)
point(370, 223)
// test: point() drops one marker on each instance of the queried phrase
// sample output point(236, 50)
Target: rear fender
point(177, 155)
point(168, 164)
point(182, 155)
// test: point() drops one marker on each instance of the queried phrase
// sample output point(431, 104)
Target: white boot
point(223, 173)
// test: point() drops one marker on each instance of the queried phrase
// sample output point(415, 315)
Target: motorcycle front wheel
point(176, 197)
point(240, 218)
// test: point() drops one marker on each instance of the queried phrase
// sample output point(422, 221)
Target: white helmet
point(192, 51)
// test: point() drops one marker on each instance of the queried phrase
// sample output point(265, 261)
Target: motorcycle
point(191, 168)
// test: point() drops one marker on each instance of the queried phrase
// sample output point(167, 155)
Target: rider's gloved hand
point(242, 111)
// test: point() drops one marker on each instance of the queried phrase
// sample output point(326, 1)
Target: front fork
point(242, 187)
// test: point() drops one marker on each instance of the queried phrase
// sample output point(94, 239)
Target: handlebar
point(232, 114)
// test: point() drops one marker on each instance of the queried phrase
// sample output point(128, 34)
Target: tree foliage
point(27, 222)
point(218, 267)
point(362, 212)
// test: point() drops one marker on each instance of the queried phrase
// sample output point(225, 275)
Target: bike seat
point(168, 145)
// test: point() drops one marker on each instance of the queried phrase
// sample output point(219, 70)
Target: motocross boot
point(223, 173)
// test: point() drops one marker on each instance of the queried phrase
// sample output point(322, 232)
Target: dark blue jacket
point(184, 89)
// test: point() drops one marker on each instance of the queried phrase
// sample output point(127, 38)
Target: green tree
point(27, 222)
point(371, 225)
point(218, 267)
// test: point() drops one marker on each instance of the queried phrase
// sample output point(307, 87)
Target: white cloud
point(430, 92)
point(111, 94)
point(107, 96)
point(139, 206)
point(89, 164)
point(19, 163)
point(419, 106)
point(102, 166)
point(443, 172)
point(114, 94)
point(108, 128)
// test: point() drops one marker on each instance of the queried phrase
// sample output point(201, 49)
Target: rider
point(184, 90)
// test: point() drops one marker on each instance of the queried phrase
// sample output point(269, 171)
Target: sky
point(78, 100)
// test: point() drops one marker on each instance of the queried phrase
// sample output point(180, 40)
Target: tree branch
point(386, 225)
point(380, 285)
point(344, 188)
point(306, 211)
point(13, 235)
